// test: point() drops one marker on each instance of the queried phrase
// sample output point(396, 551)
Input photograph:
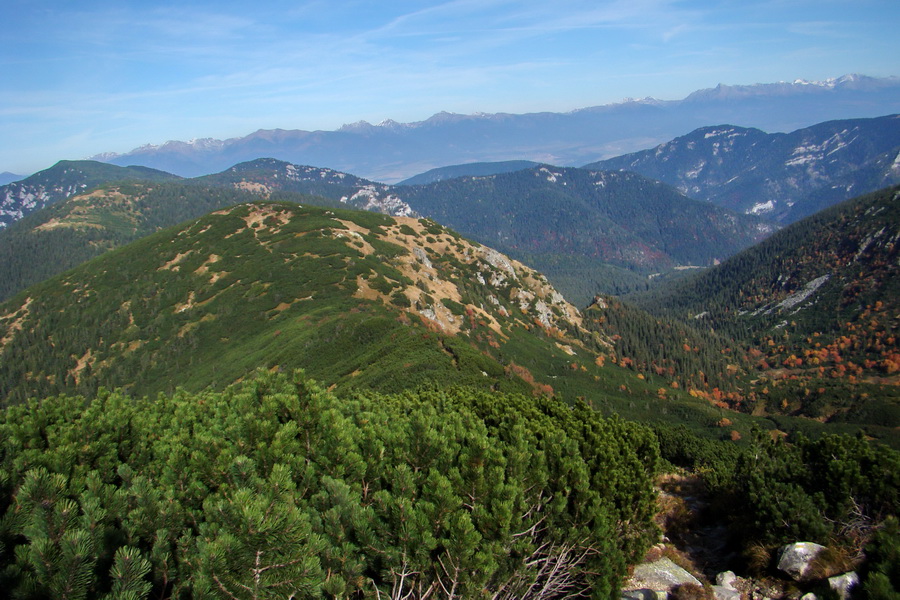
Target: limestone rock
point(422, 257)
point(796, 559)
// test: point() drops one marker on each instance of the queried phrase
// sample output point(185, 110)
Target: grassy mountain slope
point(816, 307)
point(750, 171)
point(64, 179)
point(275, 284)
point(359, 300)
point(85, 225)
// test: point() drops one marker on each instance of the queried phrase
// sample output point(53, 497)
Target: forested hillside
point(576, 226)
point(815, 308)
point(478, 169)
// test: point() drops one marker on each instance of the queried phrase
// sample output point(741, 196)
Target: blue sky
point(80, 78)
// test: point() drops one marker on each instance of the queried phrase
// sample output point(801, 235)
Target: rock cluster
point(660, 579)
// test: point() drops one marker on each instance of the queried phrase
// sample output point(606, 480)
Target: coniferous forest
point(278, 488)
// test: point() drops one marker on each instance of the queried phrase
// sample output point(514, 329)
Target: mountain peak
point(360, 125)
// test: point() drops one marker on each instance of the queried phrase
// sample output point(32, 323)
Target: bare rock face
point(796, 559)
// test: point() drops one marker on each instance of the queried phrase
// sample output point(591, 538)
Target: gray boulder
point(796, 559)
point(724, 588)
point(644, 595)
point(843, 584)
point(722, 592)
point(726, 579)
point(662, 575)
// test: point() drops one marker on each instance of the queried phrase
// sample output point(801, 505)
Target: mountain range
point(588, 231)
point(389, 303)
point(782, 176)
point(391, 151)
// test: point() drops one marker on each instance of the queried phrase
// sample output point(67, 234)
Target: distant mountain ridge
point(391, 151)
point(7, 177)
point(783, 176)
point(478, 169)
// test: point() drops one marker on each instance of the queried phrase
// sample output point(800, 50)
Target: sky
point(82, 78)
